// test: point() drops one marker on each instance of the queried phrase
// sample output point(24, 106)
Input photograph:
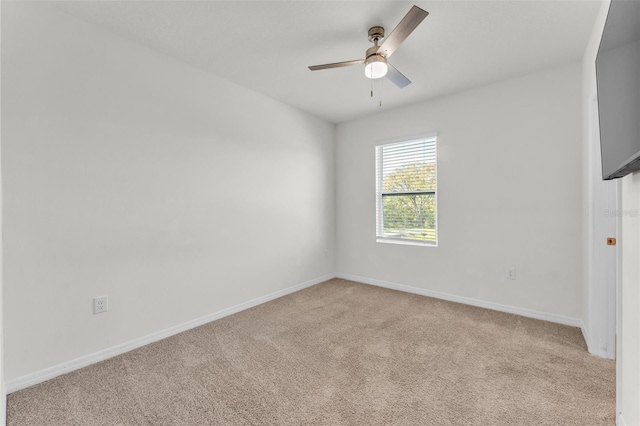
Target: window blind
point(406, 191)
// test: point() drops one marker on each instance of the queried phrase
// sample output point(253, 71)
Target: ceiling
point(267, 45)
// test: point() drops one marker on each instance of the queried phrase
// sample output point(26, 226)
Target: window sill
point(406, 242)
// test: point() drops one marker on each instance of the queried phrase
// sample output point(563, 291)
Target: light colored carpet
point(341, 353)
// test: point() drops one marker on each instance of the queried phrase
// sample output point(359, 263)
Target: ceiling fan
point(376, 65)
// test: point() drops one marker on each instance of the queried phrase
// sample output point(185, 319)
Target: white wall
point(129, 174)
point(509, 193)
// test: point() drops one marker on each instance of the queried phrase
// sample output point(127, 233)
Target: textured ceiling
point(267, 45)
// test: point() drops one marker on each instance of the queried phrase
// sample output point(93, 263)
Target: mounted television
point(618, 80)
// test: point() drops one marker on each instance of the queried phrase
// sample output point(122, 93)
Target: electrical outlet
point(100, 304)
point(511, 273)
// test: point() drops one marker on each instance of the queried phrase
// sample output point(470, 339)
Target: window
point(406, 192)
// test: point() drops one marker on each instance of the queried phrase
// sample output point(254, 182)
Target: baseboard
point(40, 376)
point(594, 347)
point(585, 334)
point(530, 313)
point(621, 421)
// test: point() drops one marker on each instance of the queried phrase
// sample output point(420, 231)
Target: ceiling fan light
point(376, 67)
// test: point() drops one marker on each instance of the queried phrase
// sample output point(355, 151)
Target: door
point(604, 219)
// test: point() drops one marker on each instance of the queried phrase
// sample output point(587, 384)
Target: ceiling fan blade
point(397, 77)
point(411, 20)
point(336, 65)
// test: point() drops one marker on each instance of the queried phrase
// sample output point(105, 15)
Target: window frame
point(380, 238)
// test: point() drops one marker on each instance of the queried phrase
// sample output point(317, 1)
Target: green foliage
point(410, 215)
point(411, 177)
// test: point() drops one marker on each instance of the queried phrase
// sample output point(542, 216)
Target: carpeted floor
point(341, 353)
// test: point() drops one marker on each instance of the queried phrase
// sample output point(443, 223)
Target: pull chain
point(380, 103)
